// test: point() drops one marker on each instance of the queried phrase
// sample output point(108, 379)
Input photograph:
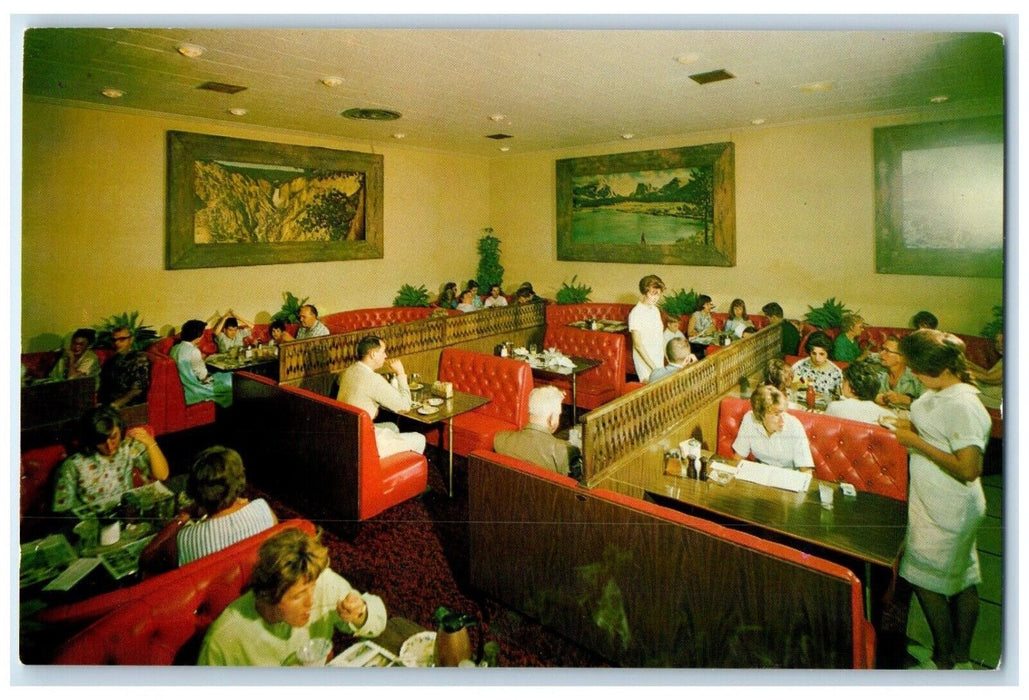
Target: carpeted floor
point(415, 556)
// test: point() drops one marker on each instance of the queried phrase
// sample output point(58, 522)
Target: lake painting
point(670, 206)
point(655, 207)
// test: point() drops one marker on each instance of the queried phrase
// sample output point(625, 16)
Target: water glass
point(825, 495)
point(315, 652)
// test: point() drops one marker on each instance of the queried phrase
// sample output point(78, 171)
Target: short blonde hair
point(285, 558)
point(763, 398)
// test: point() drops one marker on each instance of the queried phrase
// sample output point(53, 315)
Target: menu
point(776, 477)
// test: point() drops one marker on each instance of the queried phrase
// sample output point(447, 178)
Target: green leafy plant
point(572, 293)
point(490, 272)
point(452, 621)
point(995, 324)
point(142, 335)
point(412, 296)
point(829, 315)
point(290, 311)
point(680, 303)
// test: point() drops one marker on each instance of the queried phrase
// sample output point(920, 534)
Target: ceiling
point(546, 88)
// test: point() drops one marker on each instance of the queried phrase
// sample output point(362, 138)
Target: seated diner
point(772, 436)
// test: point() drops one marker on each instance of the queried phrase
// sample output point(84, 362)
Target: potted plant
point(995, 324)
point(142, 335)
point(408, 295)
point(572, 293)
point(290, 311)
point(679, 303)
point(829, 315)
point(453, 644)
point(490, 272)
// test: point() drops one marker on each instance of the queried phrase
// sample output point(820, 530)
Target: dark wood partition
point(646, 587)
point(304, 452)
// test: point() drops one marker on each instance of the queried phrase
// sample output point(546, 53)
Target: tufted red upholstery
point(600, 384)
point(167, 401)
point(150, 624)
point(865, 455)
point(359, 319)
point(504, 381)
point(563, 314)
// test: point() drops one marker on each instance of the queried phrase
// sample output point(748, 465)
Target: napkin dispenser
point(443, 389)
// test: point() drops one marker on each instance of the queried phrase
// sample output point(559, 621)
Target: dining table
point(544, 370)
point(866, 526)
point(264, 362)
point(440, 411)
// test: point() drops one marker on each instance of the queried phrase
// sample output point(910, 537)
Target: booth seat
point(162, 620)
point(600, 384)
point(648, 586)
point(978, 349)
point(316, 454)
point(166, 398)
point(506, 382)
point(563, 314)
point(360, 319)
point(865, 455)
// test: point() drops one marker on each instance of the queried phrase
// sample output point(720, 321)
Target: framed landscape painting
point(672, 206)
point(240, 202)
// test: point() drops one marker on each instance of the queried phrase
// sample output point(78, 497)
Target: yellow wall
point(93, 229)
point(804, 231)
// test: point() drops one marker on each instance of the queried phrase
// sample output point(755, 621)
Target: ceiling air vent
point(712, 76)
point(499, 137)
point(375, 115)
point(221, 87)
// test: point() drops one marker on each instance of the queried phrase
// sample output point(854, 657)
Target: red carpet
point(415, 557)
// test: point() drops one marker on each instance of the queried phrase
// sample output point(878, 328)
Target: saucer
point(428, 410)
point(435, 401)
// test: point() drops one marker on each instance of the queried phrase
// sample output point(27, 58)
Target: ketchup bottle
point(809, 398)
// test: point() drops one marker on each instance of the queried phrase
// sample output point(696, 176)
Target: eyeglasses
point(887, 350)
point(120, 338)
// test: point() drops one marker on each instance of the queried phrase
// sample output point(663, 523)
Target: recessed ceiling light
point(237, 111)
point(332, 81)
point(505, 149)
point(191, 50)
point(758, 121)
point(497, 117)
point(627, 135)
point(371, 114)
point(938, 99)
point(399, 135)
point(113, 93)
point(688, 58)
point(820, 86)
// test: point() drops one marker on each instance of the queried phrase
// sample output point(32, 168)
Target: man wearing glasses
point(125, 377)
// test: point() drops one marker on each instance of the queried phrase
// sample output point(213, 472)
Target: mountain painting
point(672, 206)
point(237, 202)
point(654, 207)
point(250, 203)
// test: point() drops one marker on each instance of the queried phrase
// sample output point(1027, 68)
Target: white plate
point(428, 410)
point(418, 650)
point(435, 401)
point(366, 653)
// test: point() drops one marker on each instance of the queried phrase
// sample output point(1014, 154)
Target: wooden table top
point(867, 526)
point(461, 402)
point(581, 364)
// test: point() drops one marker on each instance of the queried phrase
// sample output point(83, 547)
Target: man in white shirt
point(362, 386)
point(772, 435)
point(495, 298)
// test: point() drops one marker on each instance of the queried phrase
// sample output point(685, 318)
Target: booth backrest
point(601, 384)
point(360, 319)
point(37, 470)
point(865, 455)
point(316, 454)
point(978, 349)
point(506, 382)
point(646, 586)
point(563, 314)
point(162, 621)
